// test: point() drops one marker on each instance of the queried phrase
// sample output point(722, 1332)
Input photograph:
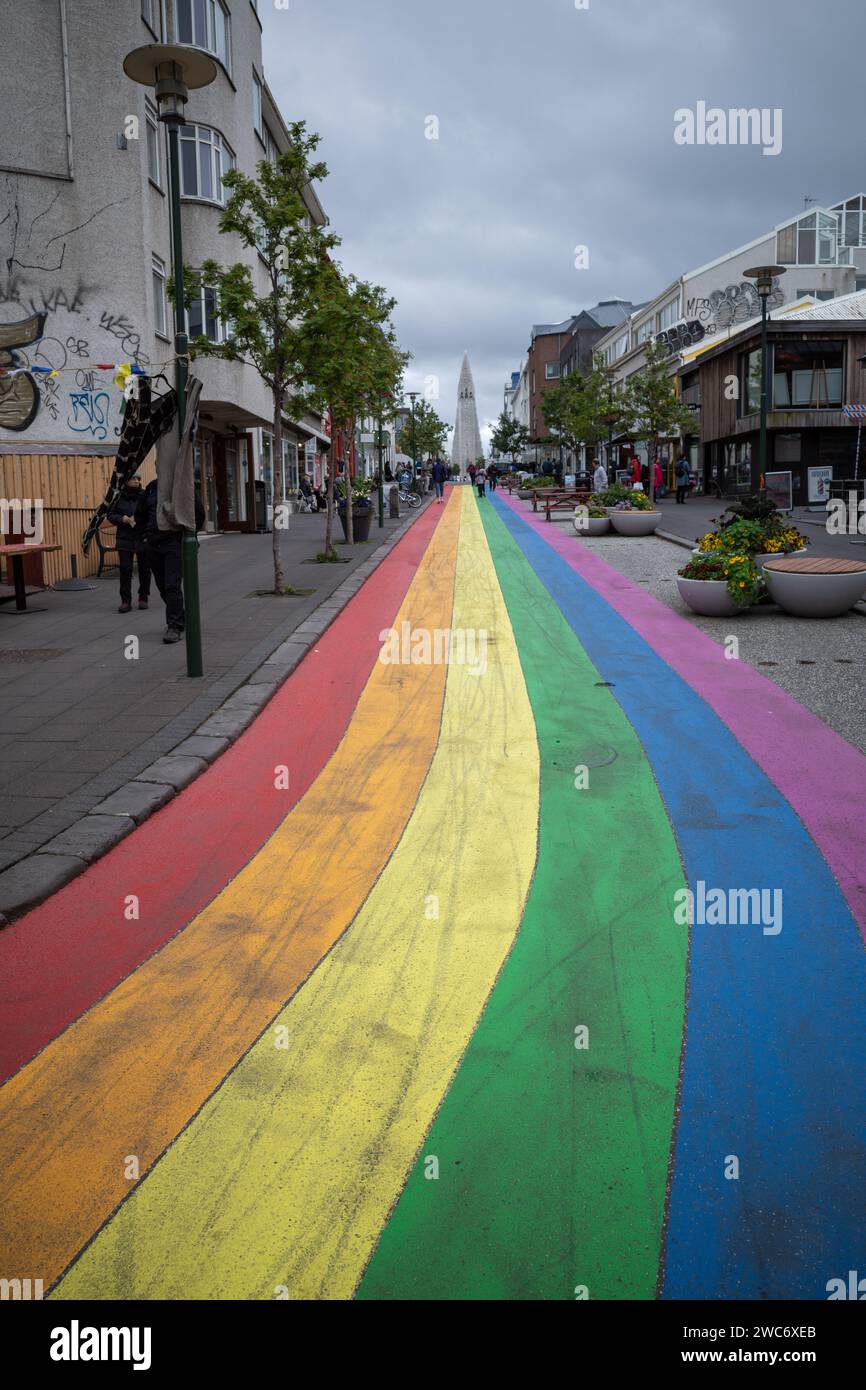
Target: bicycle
point(409, 499)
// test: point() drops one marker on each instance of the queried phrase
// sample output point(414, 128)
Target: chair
point(106, 544)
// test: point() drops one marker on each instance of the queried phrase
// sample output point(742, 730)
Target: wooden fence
point(70, 488)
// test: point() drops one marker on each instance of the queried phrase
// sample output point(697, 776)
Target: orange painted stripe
point(106, 1097)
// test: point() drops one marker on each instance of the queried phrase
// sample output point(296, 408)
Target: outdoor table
point(16, 554)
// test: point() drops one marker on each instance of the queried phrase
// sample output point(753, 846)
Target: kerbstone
point(90, 837)
point(175, 770)
point(138, 800)
point(35, 878)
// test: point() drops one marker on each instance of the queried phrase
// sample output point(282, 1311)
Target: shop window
point(750, 382)
point(807, 376)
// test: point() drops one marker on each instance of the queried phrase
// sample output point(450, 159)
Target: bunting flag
point(423, 1023)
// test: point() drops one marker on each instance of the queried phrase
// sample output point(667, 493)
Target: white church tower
point(466, 447)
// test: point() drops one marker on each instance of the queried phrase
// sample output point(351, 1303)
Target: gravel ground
point(820, 663)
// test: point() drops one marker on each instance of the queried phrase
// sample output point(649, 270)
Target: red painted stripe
point(59, 959)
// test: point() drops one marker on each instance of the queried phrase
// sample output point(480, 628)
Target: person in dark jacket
point(492, 476)
point(164, 553)
point(131, 545)
point(440, 473)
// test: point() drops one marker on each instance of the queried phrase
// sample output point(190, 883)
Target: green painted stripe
point(552, 1161)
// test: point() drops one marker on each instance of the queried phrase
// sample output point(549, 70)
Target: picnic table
point(17, 553)
point(559, 499)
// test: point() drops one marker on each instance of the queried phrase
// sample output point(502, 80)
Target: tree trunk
point(277, 492)
point(350, 525)
point(651, 481)
point(329, 510)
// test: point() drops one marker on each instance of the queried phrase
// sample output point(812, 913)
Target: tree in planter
point(592, 407)
point(562, 407)
point(269, 331)
point(655, 411)
point(509, 437)
point(352, 361)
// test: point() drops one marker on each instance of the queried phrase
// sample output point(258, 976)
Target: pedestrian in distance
point(492, 476)
point(472, 470)
point(440, 473)
point(683, 476)
point(480, 480)
point(164, 549)
point(658, 480)
point(131, 545)
point(599, 478)
point(635, 471)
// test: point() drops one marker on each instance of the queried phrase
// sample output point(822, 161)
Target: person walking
point(131, 545)
point(599, 478)
point(635, 471)
point(683, 476)
point(472, 470)
point(658, 480)
point(440, 473)
point(164, 554)
point(480, 480)
point(492, 476)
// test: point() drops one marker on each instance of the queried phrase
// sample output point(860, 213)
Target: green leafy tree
point(431, 433)
point(509, 437)
point(269, 327)
point(353, 362)
point(655, 411)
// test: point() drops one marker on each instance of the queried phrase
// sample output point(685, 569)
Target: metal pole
point(414, 445)
point(762, 448)
point(381, 480)
point(189, 545)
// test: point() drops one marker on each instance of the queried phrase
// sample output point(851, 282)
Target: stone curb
point(39, 874)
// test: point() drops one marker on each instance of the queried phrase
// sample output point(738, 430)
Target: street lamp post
point(413, 396)
point(764, 275)
point(381, 480)
point(173, 69)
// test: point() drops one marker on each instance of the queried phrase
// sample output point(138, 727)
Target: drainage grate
point(21, 654)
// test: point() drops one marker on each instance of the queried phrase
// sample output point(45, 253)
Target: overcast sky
point(555, 130)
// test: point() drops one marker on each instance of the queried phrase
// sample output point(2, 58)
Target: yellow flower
point(742, 584)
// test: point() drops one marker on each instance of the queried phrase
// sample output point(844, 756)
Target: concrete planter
point(525, 494)
point(634, 523)
point(761, 560)
point(805, 595)
point(709, 597)
point(591, 525)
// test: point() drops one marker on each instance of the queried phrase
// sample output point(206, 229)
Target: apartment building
point(85, 245)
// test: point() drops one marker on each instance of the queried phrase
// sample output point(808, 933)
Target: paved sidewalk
point(80, 718)
point(699, 514)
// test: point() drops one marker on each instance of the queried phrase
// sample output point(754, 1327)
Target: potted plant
point(634, 516)
point(362, 507)
point(718, 586)
point(759, 538)
point(591, 520)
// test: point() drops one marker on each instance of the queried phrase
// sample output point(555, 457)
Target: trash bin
point(261, 505)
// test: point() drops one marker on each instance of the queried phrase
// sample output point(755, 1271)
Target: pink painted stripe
point(819, 773)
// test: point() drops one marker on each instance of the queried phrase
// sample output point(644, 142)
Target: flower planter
point(761, 560)
point(827, 589)
point(362, 519)
point(591, 525)
point(709, 597)
point(634, 523)
point(525, 494)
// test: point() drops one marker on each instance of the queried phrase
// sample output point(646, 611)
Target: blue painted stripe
point(775, 1053)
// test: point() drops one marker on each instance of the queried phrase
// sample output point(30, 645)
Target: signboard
point(779, 486)
point(623, 476)
point(819, 484)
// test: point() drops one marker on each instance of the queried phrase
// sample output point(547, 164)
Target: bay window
point(204, 159)
point(204, 23)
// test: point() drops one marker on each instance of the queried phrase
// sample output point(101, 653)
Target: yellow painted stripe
point(285, 1179)
point(120, 1084)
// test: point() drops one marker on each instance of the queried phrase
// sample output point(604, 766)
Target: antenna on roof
point(809, 200)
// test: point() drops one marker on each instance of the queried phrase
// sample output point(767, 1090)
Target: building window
point(204, 159)
point(860, 282)
point(816, 294)
point(807, 376)
point(272, 149)
point(814, 239)
point(645, 331)
point(150, 13)
point(154, 161)
point(669, 314)
point(203, 318)
point(160, 303)
point(551, 371)
point(204, 23)
point(852, 221)
point(750, 382)
point(258, 120)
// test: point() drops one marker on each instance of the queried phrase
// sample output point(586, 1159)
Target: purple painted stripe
point(819, 773)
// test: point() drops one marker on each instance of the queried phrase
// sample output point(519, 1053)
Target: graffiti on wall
point(723, 308)
point(51, 321)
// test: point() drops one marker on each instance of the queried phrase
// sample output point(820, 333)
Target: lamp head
point(173, 70)
point(764, 275)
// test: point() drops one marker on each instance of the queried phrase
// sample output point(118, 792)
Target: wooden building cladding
point(70, 488)
point(721, 416)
